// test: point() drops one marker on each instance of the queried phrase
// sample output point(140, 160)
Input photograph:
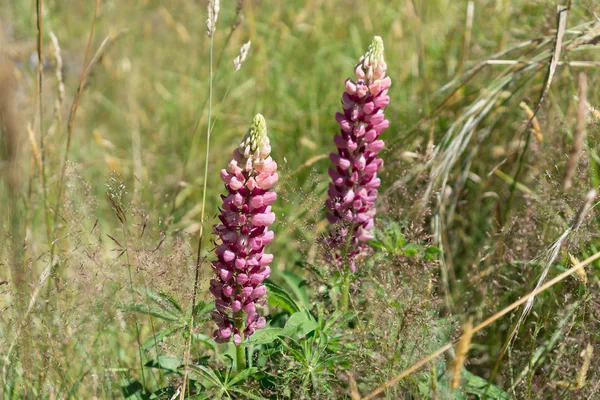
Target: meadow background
point(473, 208)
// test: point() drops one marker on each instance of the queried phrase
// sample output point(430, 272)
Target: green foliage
point(390, 240)
point(470, 200)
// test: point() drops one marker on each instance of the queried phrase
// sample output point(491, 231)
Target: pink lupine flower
point(354, 182)
point(241, 265)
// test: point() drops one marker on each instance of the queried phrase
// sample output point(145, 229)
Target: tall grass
point(493, 144)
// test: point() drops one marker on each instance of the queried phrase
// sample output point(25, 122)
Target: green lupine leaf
point(265, 336)
point(300, 323)
point(160, 337)
point(279, 297)
point(150, 310)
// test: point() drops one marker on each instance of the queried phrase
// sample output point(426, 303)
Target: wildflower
point(242, 266)
point(353, 190)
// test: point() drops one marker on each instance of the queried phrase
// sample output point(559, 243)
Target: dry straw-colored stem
point(461, 353)
point(535, 125)
point(580, 133)
point(587, 360)
point(483, 325)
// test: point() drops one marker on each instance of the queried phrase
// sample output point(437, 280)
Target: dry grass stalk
point(587, 359)
point(580, 274)
point(535, 125)
point(580, 133)
point(354, 393)
point(213, 16)
point(490, 320)
point(461, 353)
point(35, 150)
point(467, 37)
point(60, 85)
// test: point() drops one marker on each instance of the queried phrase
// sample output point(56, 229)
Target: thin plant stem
point(202, 213)
point(137, 328)
point(240, 351)
point(40, 70)
point(345, 291)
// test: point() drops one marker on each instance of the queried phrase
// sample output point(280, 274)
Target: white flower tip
point(375, 54)
point(256, 142)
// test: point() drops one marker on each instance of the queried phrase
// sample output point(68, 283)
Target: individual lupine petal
point(340, 142)
point(269, 198)
point(259, 292)
point(235, 184)
point(268, 237)
point(266, 259)
point(247, 292)
point(344, 123)
point(256, 201)
point(237, 339)
point(369, 107)
point(353, 190)
point(225, 332)
point(242, 278)
point(260, 323)
point(350, 86)
point(376, 146)
point(227, 291)
point(265, 219)
point(240, 263)
point(236, 306)
point(382, 126)
point(370, 135)
point(241, 266)
point(381, 101)
point(266, 180)
point(256, 279)
point(339, 161)
point(250, 308)
point(370, 169)
point(376, 118)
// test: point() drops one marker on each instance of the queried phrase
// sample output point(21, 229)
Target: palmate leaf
point(205, 340)
point(476, 385)
point(151, 310)
point(239, 378)
point(206, 373)
point(279, 297)
point(297, 285)
point(160, 337)
point(300, 323)
point(166, 363)
point(202, 309)
point(265, 336)
point(132, 389)
point(162, 300)
point(246, 394)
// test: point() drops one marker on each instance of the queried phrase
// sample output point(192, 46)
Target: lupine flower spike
point(241, 265)
point(353, 190)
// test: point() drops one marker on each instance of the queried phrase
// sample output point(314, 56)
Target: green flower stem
point(345, 291)
point(240, 351)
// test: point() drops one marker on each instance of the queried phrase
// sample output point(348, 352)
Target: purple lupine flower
point(353, 190)
point(242, 266)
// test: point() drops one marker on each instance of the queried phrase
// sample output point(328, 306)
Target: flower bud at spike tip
point(354, 182)
point(243, 232)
